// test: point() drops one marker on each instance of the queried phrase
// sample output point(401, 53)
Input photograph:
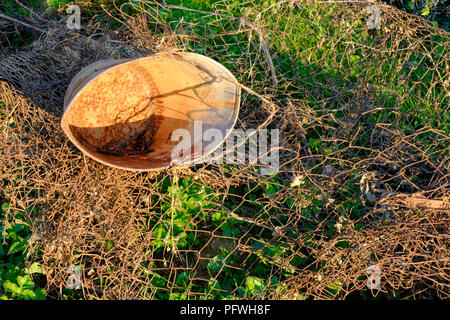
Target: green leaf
point(11, 287)
point(334, 288)
point(215, 264)
point(109, 244)
point(254, 285)
point(354, 58)
point(17, 246)
point(160, 232)
point(27, 294)
point(218, 215)
point(273, 251)
point(35, 268)
point(4, 207)
point(56, 3)
point(270, 189)
point(40, 294)
point(25, 281)
point(257, 245)
point(183, 279)
point(425, 12)
point(231, 232)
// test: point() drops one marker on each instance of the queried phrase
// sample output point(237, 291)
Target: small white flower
point(338, 227)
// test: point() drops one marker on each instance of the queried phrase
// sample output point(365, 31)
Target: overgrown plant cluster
point(363, 181)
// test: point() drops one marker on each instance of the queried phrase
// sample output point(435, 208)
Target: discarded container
point(123, 112)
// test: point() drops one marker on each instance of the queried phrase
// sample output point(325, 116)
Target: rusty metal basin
point(122, 113)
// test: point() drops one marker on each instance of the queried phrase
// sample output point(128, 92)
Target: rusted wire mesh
point(364, 159)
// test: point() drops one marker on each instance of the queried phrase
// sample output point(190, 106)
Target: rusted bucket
point(123, 112)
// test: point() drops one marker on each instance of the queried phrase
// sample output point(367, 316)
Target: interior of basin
point(125, 117)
